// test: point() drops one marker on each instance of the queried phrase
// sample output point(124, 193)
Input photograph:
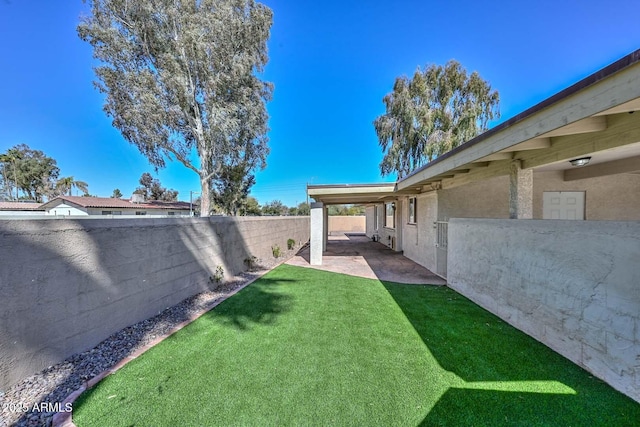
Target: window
point(111, 212)
point(390, 215)
point(140, 213)
point(413, 204)
point(171, 213)
point(106, 212)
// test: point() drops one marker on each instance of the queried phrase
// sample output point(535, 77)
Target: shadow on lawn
point(260, 303)
point(508, 378)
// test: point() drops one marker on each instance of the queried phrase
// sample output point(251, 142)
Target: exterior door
point(442, 243)
point(563, 205)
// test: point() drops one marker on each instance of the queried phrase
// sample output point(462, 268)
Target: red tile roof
point(21, 206)
point(109, 202)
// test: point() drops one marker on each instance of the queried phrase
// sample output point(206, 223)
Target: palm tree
point(67, 183)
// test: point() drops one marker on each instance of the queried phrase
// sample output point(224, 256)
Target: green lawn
point(306, 347)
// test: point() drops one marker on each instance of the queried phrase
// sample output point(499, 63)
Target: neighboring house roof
point(109, 202)
point(21, 206)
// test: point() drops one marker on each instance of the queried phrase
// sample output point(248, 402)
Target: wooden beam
point(633, 105)
point(631, 164)
point(497, 168)
point(532, 144)
point(588, 125)
point(495, 156)
point(623, 129)
point(477, 164)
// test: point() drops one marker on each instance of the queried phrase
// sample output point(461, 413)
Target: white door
point(563, 205)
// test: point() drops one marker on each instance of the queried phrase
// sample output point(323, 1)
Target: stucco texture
point(68, 284)
point(573, 285)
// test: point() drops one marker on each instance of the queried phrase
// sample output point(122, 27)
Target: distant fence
point(348, 224)
point(66, 285)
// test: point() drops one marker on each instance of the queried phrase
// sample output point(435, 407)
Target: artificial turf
point(308, 347)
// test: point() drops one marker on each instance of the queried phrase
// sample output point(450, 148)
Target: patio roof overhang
point(593, 118)
point(352, 193)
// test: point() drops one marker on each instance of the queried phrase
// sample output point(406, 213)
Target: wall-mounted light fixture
point(582, 161)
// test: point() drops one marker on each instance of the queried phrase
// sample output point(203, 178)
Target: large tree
point(275, 207)
point(31, 171)
point(433, 112)
point(231, 188)
point(180, 78)
point(151, 189)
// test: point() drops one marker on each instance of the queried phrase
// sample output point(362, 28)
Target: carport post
point(317, 233)
point(520, 191)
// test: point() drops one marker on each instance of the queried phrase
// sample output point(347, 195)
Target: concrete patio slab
point(357, 255)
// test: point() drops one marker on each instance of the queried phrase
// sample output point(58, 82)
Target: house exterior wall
point(369, 212)
point(70, 283)
point(7, 213)
point(132, 212)
point(612, 198)
point(66, 210)
point(573, 285)
point(385, 233)
point(480, 199)
point(419, 239)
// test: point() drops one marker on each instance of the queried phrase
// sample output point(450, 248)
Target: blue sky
point(331, 62)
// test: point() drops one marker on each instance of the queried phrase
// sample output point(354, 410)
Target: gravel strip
point(55, 383)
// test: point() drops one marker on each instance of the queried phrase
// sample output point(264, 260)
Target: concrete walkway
point(357, 255)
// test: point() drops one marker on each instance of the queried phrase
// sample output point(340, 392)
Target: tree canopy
point(67, 184)
point(181, 81)
point(30, 171)
point(231, 188)
point(437, 110)
point(151, 189)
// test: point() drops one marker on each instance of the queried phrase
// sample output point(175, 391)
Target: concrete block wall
point(68, 284)
point(573, 285)
point(348, 224)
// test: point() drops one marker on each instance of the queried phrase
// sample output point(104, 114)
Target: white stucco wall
point(573, 285)
point(419, 239)
point(66, 210)
point(21, 213)
point(385, 233)
point(369, 224)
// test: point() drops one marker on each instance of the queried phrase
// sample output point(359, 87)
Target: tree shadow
point(508, 378)
point(259, 303)
point(82, 294)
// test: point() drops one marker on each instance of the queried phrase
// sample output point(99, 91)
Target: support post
point(520, 191)
point(325, 229)
point(317, 233)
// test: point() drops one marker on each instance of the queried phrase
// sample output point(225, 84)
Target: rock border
point(36, 389)
point(65, 419)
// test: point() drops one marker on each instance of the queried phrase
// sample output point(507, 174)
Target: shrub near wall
point(68, 284)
